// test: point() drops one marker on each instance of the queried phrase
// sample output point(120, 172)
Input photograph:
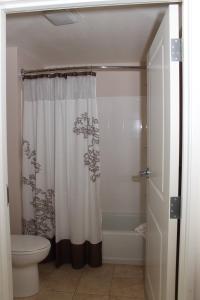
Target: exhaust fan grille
point(59, 18)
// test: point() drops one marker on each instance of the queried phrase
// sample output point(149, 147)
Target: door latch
point(145, 173)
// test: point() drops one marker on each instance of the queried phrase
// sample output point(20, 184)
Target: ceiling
point(102, 35)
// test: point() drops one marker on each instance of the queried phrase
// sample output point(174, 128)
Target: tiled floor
point(109, 282)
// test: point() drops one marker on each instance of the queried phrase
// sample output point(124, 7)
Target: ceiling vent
point(61, 17)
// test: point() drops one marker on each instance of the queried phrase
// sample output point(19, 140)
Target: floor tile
point(46, 268)
point(109, 282)
point(128, 271)
point(29, 298)
point(122, 298)
point(94, 285)
point(105, 271)
point(64, 279)
point(90, 297)
point(68, 268)
point(126, 287)
point(49, 295)
point(60, 283)
point(66, 272)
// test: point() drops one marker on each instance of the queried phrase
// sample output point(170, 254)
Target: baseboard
point(125, 261)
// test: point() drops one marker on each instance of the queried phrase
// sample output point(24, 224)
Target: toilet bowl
point(27, 252)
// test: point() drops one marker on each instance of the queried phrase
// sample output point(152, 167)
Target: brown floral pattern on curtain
point(89, 128)
point(43, 202)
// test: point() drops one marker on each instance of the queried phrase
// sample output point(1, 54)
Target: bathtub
point(120, 243)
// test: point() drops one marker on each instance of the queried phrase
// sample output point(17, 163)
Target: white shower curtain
point(61, 165)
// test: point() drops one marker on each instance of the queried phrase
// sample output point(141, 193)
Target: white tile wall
point(123, 153)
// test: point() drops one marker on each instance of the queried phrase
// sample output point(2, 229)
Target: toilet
point(27, 252)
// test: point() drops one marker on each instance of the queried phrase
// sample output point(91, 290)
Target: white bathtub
point(120, 243)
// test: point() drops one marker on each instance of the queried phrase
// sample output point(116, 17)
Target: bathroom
point(34, 43)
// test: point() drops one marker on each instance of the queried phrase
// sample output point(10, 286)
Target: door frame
point(189, 256)
point(190, 147)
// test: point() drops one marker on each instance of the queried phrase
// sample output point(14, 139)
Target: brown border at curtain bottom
point(78, 255)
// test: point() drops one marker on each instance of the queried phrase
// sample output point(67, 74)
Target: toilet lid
point(28, 243)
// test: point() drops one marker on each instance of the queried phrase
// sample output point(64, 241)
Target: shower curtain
point(61, 165)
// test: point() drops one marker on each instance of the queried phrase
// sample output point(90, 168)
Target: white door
point(163, 160)
point(5, 249)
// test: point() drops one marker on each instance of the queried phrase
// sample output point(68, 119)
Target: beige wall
point(121, 83)
point(16, 59)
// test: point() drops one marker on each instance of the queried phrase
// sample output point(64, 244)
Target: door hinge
point(175, 207)
point(176, 50)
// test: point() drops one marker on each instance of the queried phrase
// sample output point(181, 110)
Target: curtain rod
point(82, 68)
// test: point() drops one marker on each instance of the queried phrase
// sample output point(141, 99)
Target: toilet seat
point(28, 244)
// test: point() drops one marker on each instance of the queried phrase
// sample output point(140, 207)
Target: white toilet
point(27, 252)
